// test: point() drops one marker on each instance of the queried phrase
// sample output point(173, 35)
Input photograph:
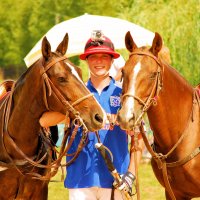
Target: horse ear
point(157, 44)
point(62, 47)
point(130, 44)
point(46, 48)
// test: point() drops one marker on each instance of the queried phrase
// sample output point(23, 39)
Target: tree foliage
point(179, 24)
point(24, 22)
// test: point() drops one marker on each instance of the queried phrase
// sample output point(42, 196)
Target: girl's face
point(99, 64)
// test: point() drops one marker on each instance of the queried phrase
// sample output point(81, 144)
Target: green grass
point(56, 189)
point(150, 189)
point(149, 186)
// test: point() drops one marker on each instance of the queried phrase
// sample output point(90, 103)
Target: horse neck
point(169, 118)
point(23, 125)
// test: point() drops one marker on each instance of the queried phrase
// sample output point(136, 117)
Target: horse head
point(53, 83)
point(152, 86)
point(141, 81)
point(65, 90)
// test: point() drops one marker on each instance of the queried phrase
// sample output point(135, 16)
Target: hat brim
point(112, 53)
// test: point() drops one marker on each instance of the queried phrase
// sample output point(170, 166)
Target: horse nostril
point(98, 118)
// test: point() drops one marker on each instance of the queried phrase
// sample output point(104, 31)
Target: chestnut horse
point(51, 83)
point(151, 86)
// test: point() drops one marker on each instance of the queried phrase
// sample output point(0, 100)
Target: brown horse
point(51, 83)
point(151, 86)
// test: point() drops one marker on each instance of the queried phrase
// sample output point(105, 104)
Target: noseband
point(157, 86)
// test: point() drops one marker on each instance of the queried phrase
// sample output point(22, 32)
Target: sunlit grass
point(150, 189)
point(56, 189)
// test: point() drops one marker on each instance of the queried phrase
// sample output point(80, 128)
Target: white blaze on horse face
point(131, 90)
point(74, 72)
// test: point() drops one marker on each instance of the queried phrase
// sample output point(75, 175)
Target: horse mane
point(175, 72)
point(164, 58)
point(20, 81)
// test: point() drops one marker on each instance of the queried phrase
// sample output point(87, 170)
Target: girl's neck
point(100, 83)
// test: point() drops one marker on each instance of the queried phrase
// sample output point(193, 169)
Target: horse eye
point(62, 80)
point(153, 75)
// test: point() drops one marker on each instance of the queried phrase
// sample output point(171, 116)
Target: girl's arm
point(51, 118)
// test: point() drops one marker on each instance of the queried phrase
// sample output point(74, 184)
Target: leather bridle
point(51, 87)
point(157, 86)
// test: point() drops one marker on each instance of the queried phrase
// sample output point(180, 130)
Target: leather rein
point(77, 122)
point(152, 100)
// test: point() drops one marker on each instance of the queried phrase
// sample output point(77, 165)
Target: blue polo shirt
point(89, 169)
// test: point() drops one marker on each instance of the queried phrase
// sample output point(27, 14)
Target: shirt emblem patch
point(114, 101)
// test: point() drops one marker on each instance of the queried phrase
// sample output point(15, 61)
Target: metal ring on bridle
point(77, 121)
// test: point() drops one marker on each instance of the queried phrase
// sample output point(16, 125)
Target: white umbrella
point(80, 28)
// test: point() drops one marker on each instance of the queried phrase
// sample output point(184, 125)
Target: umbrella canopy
point(80, 28)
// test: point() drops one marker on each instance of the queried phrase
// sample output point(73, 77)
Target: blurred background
point(23, 23)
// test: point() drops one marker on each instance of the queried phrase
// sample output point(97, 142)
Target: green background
point(24, 22)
